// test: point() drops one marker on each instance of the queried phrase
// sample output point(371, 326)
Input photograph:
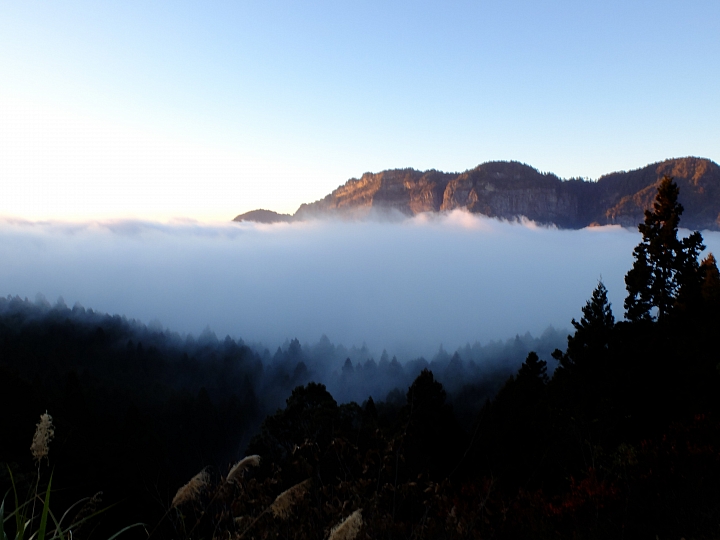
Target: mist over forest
point(421, 393)
point(361, 306)
point(407, 287)
point(359, 271)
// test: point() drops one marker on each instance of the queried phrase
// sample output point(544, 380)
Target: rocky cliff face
point(625, 196)
point(405, 190)
point(511, 190)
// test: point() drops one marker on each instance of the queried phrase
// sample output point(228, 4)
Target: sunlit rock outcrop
point(512, 190)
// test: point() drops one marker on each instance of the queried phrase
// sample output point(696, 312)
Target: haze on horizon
point(406, 286)
point(204, 111)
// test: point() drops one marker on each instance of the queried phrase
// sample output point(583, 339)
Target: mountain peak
point(510, 189)
point(264, 216)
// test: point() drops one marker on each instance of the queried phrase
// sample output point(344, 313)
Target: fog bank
point(406, 287)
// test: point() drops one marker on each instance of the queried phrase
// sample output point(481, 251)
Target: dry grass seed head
point(240, 466)
point(191, 490)
point(44, 432)
point(284, 502)
point(87, 510)
point(348, 528)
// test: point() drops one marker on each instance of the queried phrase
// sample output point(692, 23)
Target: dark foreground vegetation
point(621, 441)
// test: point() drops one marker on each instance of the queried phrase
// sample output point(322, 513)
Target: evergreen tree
point(710, 281)
point(592, 332)
point(433, 438)
point(513, 430)
point(533, 371)
point(665, 272)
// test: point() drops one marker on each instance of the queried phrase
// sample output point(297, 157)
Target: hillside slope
point(510, 190)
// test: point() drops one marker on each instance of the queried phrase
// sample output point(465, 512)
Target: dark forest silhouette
point(138, 409)
point(620, 439)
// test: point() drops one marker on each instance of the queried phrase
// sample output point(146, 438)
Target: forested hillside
point(138, 409)
point(617, 435)
point(623, 440)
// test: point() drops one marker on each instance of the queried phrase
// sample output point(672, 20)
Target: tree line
point(623, 440)
point(138, 408)
point(620, 439)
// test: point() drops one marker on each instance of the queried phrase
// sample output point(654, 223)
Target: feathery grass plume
point(44, 432)
point(283, 503)
point(191, 490)
point(240, 466)
point(348, 528)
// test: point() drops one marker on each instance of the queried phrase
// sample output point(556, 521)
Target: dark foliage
point(623, 440)
point(665, 272)
point(138, 410)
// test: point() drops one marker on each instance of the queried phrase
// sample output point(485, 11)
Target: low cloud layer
point(407, 286)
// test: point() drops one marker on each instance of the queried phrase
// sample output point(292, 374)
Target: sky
point(168, 111)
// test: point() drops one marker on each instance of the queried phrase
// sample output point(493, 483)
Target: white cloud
point(405, 286)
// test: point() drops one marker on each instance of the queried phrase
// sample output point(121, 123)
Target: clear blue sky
point(208, 109)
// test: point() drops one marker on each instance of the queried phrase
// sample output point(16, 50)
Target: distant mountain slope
point(510, 190)
point(264, 216)
point(625, 195)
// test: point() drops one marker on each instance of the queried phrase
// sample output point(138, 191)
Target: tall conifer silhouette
point(592, 332)
point(665, 270)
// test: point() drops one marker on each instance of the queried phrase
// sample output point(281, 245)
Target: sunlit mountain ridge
point(510, 190)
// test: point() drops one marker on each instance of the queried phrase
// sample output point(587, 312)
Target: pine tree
point(665, 272)
point(592, 332)
point(533, 371)
point(710, 281)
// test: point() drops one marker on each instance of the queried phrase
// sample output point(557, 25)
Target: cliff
point(626, 195)
point(510, 190)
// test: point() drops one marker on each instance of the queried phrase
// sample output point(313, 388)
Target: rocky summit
point(511, 190)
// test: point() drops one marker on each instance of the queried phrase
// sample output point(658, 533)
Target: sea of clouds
point(407, 286)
